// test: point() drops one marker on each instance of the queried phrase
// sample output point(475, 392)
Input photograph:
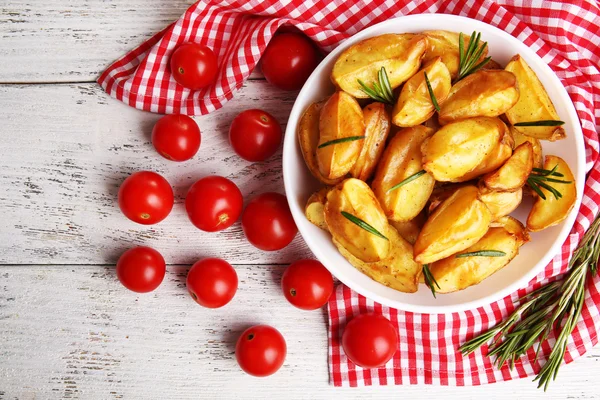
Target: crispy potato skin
point(401, 159)
point(409, 230)
point(340, 117)
point(500, 203)
point(315, 208)
point(534, 103)
point(460, 147)
point(515, 227)
point(487, 93)
point(377, 129)
point(453, 274)
point(457, 223)
point(444, 44)
point(308, 137)
point(513, 174)
point(398, 270)
point(355, 197)
point(538, 157)
point(414, 105)
point(549, 212)
point(400, 54)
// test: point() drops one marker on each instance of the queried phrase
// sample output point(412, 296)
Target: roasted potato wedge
point(308, 137)
point(460, 147)
point(401, 159)
point(409, 230)
point(377, 129)
point(549, 212)
point(355, 198)
point(341, 117)
point(454, 273)
point(485, 93)
point(398, 270)
point(500, 203)
point(457, 223)
point(538, 157)
point(515, 227)
point(414, 105)
point(512, 175)
point(315, 206)
point(444, 44)
point(399, 54)
point(492, 64)
point(534, 103)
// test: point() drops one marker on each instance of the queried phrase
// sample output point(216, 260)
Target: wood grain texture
point(74, 332)
point(67, 148)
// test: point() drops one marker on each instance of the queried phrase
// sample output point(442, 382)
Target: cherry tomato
point(146, 198)
point(370, 340)
point(267, 222)
point(176, 137)
point(214, 203)
point(255, 135)
point(212, 282)
point(289, 60)
point(260, 350)
point(193, 66)
point(307, 284)
point(141, 269)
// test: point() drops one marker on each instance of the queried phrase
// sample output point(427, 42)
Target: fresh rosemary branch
point(407, 180)
point(341, 140)
point(362, 224)
point(538, 178)
point(555, 307)
point(382, 90)
point(431, 94)
point(468, 60)
point(429, 279)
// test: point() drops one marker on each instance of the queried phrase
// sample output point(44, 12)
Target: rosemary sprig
point(555, 307)
point(431, 94)
point(362, 224)
point(429, 279)
point(382, 89)
point(341, 140)
point(468, 60)
point(545, 122)
point(538, 178)
point(407, 180)
point(482, 253)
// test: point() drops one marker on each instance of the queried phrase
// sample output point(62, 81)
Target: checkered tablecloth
point(564, 35)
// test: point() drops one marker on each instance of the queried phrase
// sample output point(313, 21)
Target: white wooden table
point(68, 329)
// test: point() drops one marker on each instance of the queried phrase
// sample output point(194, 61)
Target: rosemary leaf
point(382, 90)
point(341, 140)
point(546, 122)
point(469, 59)
point(482, 253)
point(407, 180)
point(362, 224)
point(430, 279)
point(431, 94)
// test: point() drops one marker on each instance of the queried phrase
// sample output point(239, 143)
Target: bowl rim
point(291, 140)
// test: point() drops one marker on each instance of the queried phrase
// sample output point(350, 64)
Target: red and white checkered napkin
point(564, 35)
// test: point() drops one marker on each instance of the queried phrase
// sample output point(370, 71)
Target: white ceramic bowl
point(299, 183)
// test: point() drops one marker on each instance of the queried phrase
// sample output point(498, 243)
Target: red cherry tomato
point(193, 66)
point(146, 198)
point(214, 203)
point(176, 137)
point(307, 284)
point(212, 282)
point(255, 135)
point(370, 340)
point(267, 222)
point(289, 60)
point(260, 350)
point(141, 269)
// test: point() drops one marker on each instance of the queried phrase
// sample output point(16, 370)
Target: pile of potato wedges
point(431, 178)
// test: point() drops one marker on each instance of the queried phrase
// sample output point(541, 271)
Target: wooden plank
point(74, 41)
point(65, 150)
point(75, 332)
